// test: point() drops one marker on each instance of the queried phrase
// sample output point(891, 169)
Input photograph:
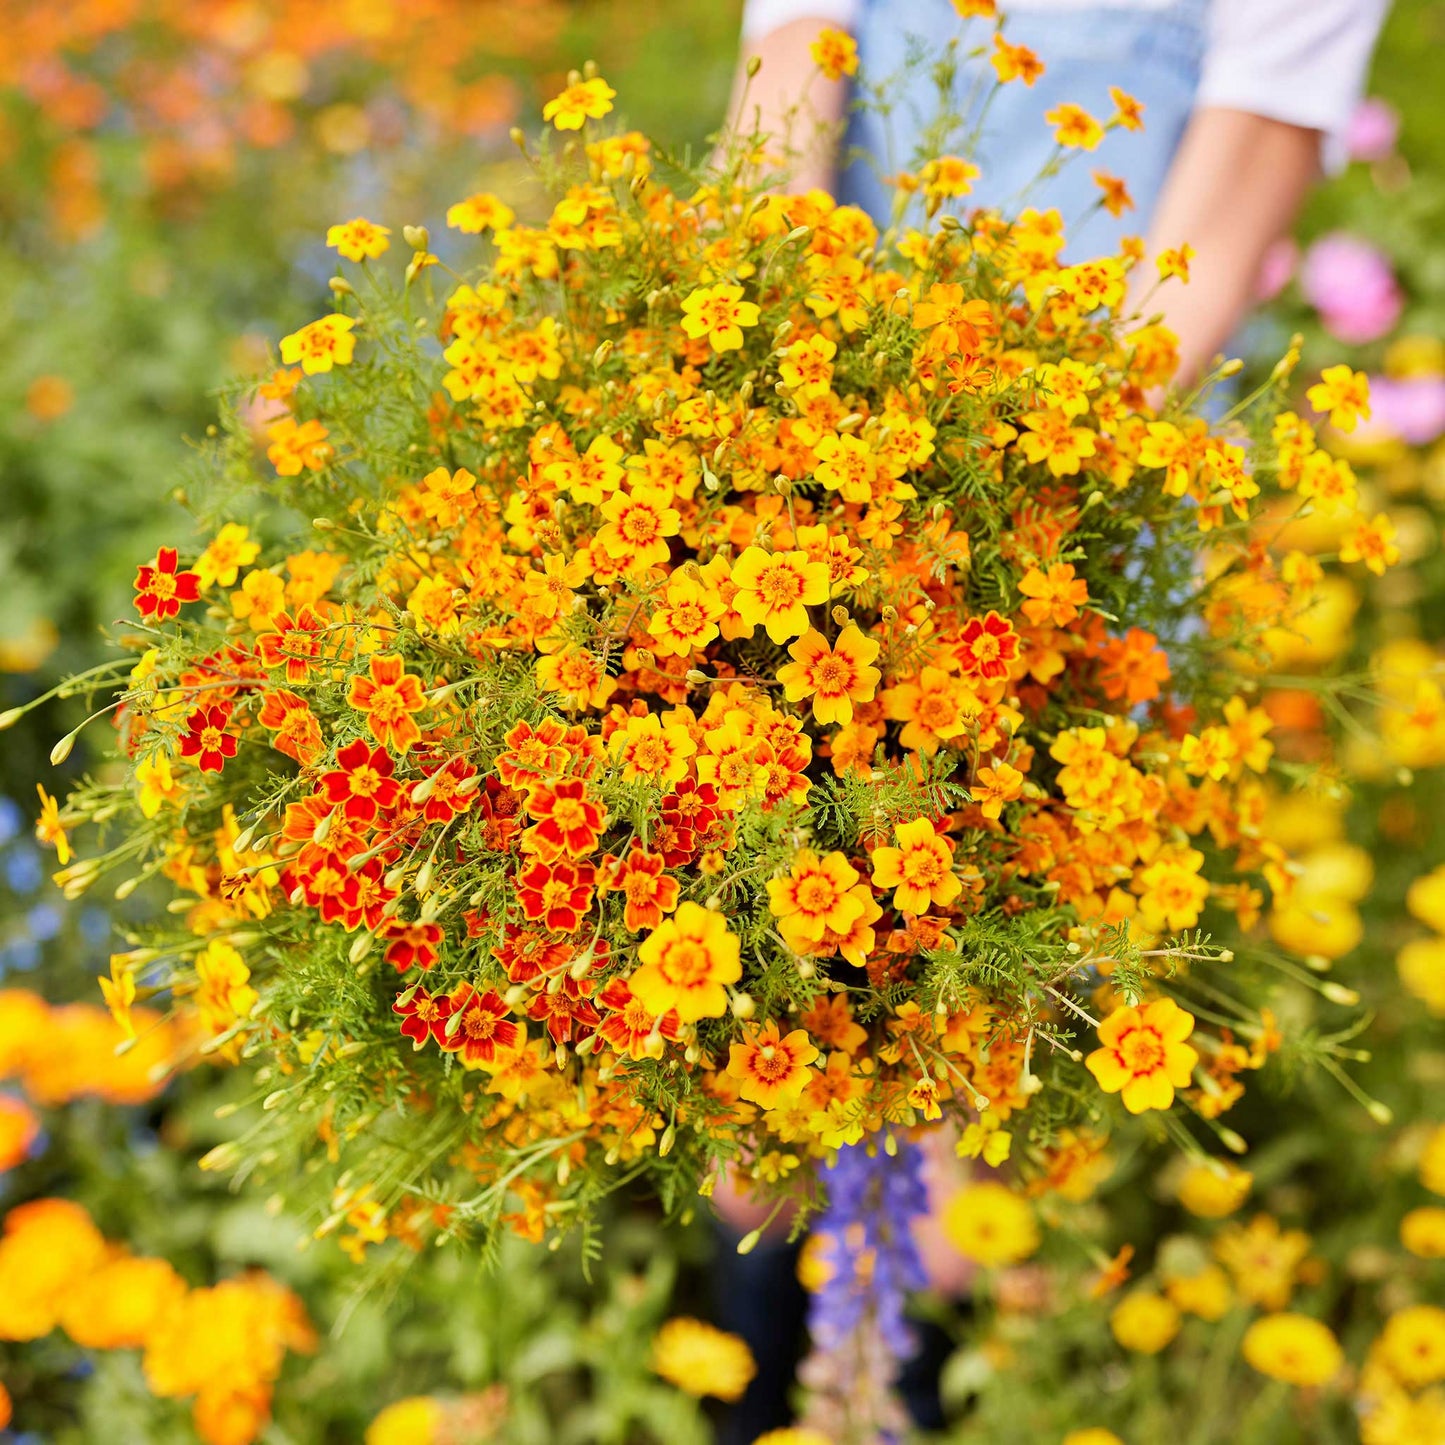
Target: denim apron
point(1154, 54)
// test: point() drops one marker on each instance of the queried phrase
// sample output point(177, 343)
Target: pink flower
point(1410, 408)
point(1277, 269)
point(1350, 283)
point(1373, 130)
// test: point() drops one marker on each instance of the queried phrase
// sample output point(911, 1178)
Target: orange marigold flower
point(835, 53)
point(296, 445)
point(1114, 193)
point(834, 677)
point(568, 821)
point(769, 1067)
point(919, 869)
point(687, 963)
point(1014, 62)
point(1128, 112)
point(648, 892)
point(557, 893)
point(1143, 1056)
point(1074, 127)
point(1054, 596)
point(298, 733)
point(389, 697)
point(160, 589)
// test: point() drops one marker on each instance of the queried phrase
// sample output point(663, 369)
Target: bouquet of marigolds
point(701, 684)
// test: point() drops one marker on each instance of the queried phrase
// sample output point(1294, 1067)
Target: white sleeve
point(1300, 61)
point(760, 17)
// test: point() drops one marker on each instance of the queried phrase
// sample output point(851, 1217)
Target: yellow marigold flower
point(835, 677)
point(359, 239)
point(1144, 1322)
point(577, 675)
point(1206, 1294)
point(480, 212)
point(1264, 1259)
point(1422, 1232)
point(50, 830)
point(719, 313)
point(1395, 1418)
point(702, 1360)
point(649, 748)
point(1094, 1435)
point(775, 590)
point(1412, 1345)
point(1432, 1161)
point(807, 366)
point(1050, 438)
point(1425, 899)
point(688, 617)
point(835, 54)
point(816, 897)
point(416, 1420)
point(1143, 1057)
point(793, 1435)
point(638, 525)
point(1213, 1190)
point(771, 1068)
point(919, 869)
point(579, 103)
point(320, 345)
point(1171, 890)
point(686, 964)
point(1293, 1348)
point(1371, 542)
point(990, 1224)
point(229, 551)
point(1175, 262)
point(1074, 127)
point(1313, 923)
point(949, 177)
point(1344, 394)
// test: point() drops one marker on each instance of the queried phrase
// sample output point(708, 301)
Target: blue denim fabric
point(1155, 55)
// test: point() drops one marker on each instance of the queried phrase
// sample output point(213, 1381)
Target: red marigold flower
point(567, 822)
point(298, 734)
point(562, 1008)
point(362, 782)
point(372, 896)
point(424, 1017)
point(295, 643)
point(483, 1029)
point(327, 884)
point(529, 955)
point(691, 805)
point(629, 1028)
point(557, 893)
point(389, 697)
point(986, 646)
point(412, 945)
point(206, 738)
point(676, 843)
point(160, 589)
point(451, 790)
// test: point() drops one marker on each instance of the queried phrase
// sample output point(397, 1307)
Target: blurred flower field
point(177, 183)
